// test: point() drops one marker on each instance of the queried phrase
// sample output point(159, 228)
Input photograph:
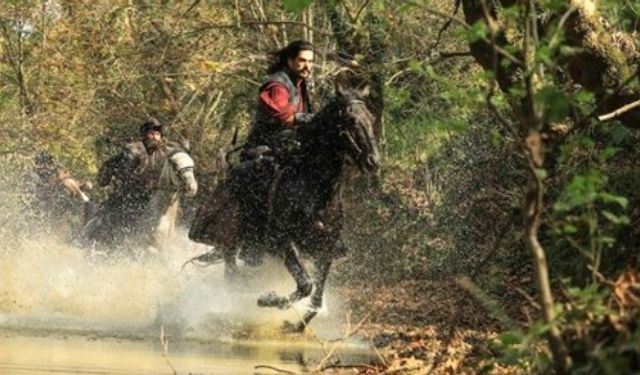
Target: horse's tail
point(217, 220)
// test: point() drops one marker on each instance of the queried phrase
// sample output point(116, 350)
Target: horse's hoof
point(288, 327)
point(272, 299)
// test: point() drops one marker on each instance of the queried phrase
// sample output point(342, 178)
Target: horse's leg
point(322, 266)
point(230, 264)
point(303, 282)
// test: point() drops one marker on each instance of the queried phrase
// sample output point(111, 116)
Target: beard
point(151, 144)
point(304, 73)
point(298, 74)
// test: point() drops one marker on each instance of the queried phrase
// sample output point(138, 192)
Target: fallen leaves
point(427, 327)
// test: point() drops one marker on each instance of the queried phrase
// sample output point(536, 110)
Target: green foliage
point(296, 5)
point(420, 117)
point(524, 348)
point(591, 211)
point(478, 31)
point(554, 5)
point(600, 339)
point(552, 103)
point(623, 14)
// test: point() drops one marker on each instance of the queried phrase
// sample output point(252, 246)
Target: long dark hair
point(279, 58)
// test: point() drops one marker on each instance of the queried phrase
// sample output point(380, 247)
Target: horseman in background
point(133, 175)
point(42, 185)
point(54, 193)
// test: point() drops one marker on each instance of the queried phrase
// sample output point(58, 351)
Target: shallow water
point(61, 312)
point(62, 354)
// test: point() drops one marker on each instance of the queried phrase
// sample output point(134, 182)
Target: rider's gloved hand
point(303, 118)
point(285, 135)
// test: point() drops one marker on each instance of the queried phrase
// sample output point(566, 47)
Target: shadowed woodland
point(500, 233)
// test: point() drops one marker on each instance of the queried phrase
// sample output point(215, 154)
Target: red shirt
point(275, 98)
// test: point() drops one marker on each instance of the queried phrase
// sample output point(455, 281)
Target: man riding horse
point(133, 174)
point(284, 197)
point(284, 107)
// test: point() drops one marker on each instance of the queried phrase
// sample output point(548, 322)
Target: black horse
point(293, 206)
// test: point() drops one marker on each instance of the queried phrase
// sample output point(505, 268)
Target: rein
point(352, 142)
point(180, 169)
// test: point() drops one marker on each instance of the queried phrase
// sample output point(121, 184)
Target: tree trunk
point(604, 62)
point(533, 211)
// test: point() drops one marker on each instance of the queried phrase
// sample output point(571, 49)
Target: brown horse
point(292, 206)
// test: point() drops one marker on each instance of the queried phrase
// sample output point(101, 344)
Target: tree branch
point(211, 25)
point(464, 24)
point(359, 12)
point(619, 111)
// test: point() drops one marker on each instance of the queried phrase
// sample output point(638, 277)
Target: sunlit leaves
point(582, 190)
point(610, 198)
point(541, 173)
point(589, 214)
point(296, 5)
point(584, 97)
point(424, 69)
point(554, 5)
point(544, 55)
point(477, 32)
point(519, 346)
point(616, 219)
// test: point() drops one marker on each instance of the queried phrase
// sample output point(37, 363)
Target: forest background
point(507, 203)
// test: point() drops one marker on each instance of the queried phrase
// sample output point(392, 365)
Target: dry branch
point(278, 370)
point(619, 111)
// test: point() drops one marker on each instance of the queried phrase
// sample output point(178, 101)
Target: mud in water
point(65, 310)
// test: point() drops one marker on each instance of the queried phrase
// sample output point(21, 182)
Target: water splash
point(48, 284)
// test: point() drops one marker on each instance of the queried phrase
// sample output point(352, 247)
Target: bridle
point(183, 164)
point(347, 135)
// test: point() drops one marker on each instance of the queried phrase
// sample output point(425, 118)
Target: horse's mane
point(329, 112)
point(322, 126)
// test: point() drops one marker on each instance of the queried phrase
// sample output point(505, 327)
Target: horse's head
point(356, 128)
point(182, 166)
